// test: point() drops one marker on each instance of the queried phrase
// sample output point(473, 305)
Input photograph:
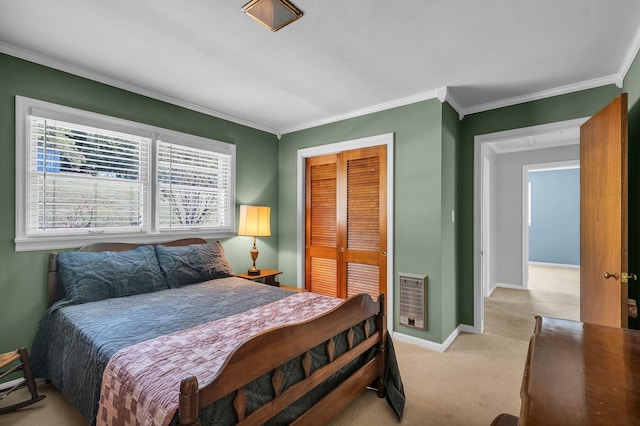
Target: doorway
point(509, 267)
point(551, 217)
point(551, 238)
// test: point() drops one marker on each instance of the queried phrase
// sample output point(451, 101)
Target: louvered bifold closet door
point(362, 240)
point(321, 222)
point(346, 223)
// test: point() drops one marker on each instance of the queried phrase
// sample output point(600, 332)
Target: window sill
point(69, 242)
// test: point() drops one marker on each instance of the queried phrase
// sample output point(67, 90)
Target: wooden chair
point(20, 360)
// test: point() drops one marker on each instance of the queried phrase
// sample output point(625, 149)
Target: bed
point(166, 334)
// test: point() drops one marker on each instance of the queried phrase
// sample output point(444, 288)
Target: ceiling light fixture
point(273, 14)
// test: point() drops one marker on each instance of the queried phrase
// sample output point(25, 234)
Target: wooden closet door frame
point(334, 148)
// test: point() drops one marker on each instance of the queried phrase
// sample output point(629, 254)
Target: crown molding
point(562, 90)
point(632, 53)
point(455, 105)
point(444, 95)
point(432, 94)
point(101, 78)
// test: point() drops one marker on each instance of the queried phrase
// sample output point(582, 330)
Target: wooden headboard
point(55, 291)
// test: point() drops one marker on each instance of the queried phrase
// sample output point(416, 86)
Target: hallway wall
point(554, 231)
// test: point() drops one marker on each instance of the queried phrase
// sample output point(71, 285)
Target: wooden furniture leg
point(21, 360)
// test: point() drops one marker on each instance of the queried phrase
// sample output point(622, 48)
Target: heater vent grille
point(413, 300)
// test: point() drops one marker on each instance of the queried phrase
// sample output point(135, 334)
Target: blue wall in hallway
point(554, 234)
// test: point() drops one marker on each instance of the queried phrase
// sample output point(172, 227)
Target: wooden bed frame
point(269, 351)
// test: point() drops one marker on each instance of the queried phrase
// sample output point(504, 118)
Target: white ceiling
point(341, 59)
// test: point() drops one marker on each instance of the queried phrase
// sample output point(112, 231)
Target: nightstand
point(268, 275)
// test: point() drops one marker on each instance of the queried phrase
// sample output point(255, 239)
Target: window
point(193, 187)
point(84, 179)
point(82, 176)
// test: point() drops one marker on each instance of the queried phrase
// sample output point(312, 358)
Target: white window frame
point(25, 107)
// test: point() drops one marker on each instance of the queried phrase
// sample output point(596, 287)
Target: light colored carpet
point(553, 291)
point(554, 279)
point(477, 378)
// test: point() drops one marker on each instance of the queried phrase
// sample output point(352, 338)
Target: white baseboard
point(464, 328)
point(440, 347)
point(452, 337)
point(513, 286)
point(555, 265)
point(491, 290)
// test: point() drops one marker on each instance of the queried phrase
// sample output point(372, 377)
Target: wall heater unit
point(413, 300)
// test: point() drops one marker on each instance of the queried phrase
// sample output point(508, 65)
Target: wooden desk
point(581, 374)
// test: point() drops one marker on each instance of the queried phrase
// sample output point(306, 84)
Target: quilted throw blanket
point(140, 385)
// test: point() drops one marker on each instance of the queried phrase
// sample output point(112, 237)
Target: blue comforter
point(74, 343)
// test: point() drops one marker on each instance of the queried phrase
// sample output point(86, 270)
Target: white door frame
point(485, 252)
point(480, 148)
point(334, 148)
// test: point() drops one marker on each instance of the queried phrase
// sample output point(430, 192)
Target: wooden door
point(603, 216)
point(362, 221)
point(321, 236)
point(346, 223)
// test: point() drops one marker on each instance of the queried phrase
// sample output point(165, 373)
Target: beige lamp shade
point(255, 221)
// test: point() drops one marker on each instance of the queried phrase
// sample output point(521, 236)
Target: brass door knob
point(608, 275)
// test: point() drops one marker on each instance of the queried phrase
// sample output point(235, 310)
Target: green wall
point(451, 128)
point(23, 275)
point(424, 182)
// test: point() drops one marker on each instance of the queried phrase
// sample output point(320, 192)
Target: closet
point(346, 223)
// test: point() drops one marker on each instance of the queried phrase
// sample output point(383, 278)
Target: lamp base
point(254, 255)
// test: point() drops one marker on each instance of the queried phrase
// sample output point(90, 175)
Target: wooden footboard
point(267, 352)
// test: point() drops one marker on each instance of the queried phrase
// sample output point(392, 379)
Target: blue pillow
point(195, 263)
point(92, 276)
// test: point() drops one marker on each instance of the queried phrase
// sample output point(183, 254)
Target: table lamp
point(255, 221)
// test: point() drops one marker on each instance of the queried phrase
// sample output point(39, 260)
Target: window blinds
point(194, 187)
point(85, 179)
